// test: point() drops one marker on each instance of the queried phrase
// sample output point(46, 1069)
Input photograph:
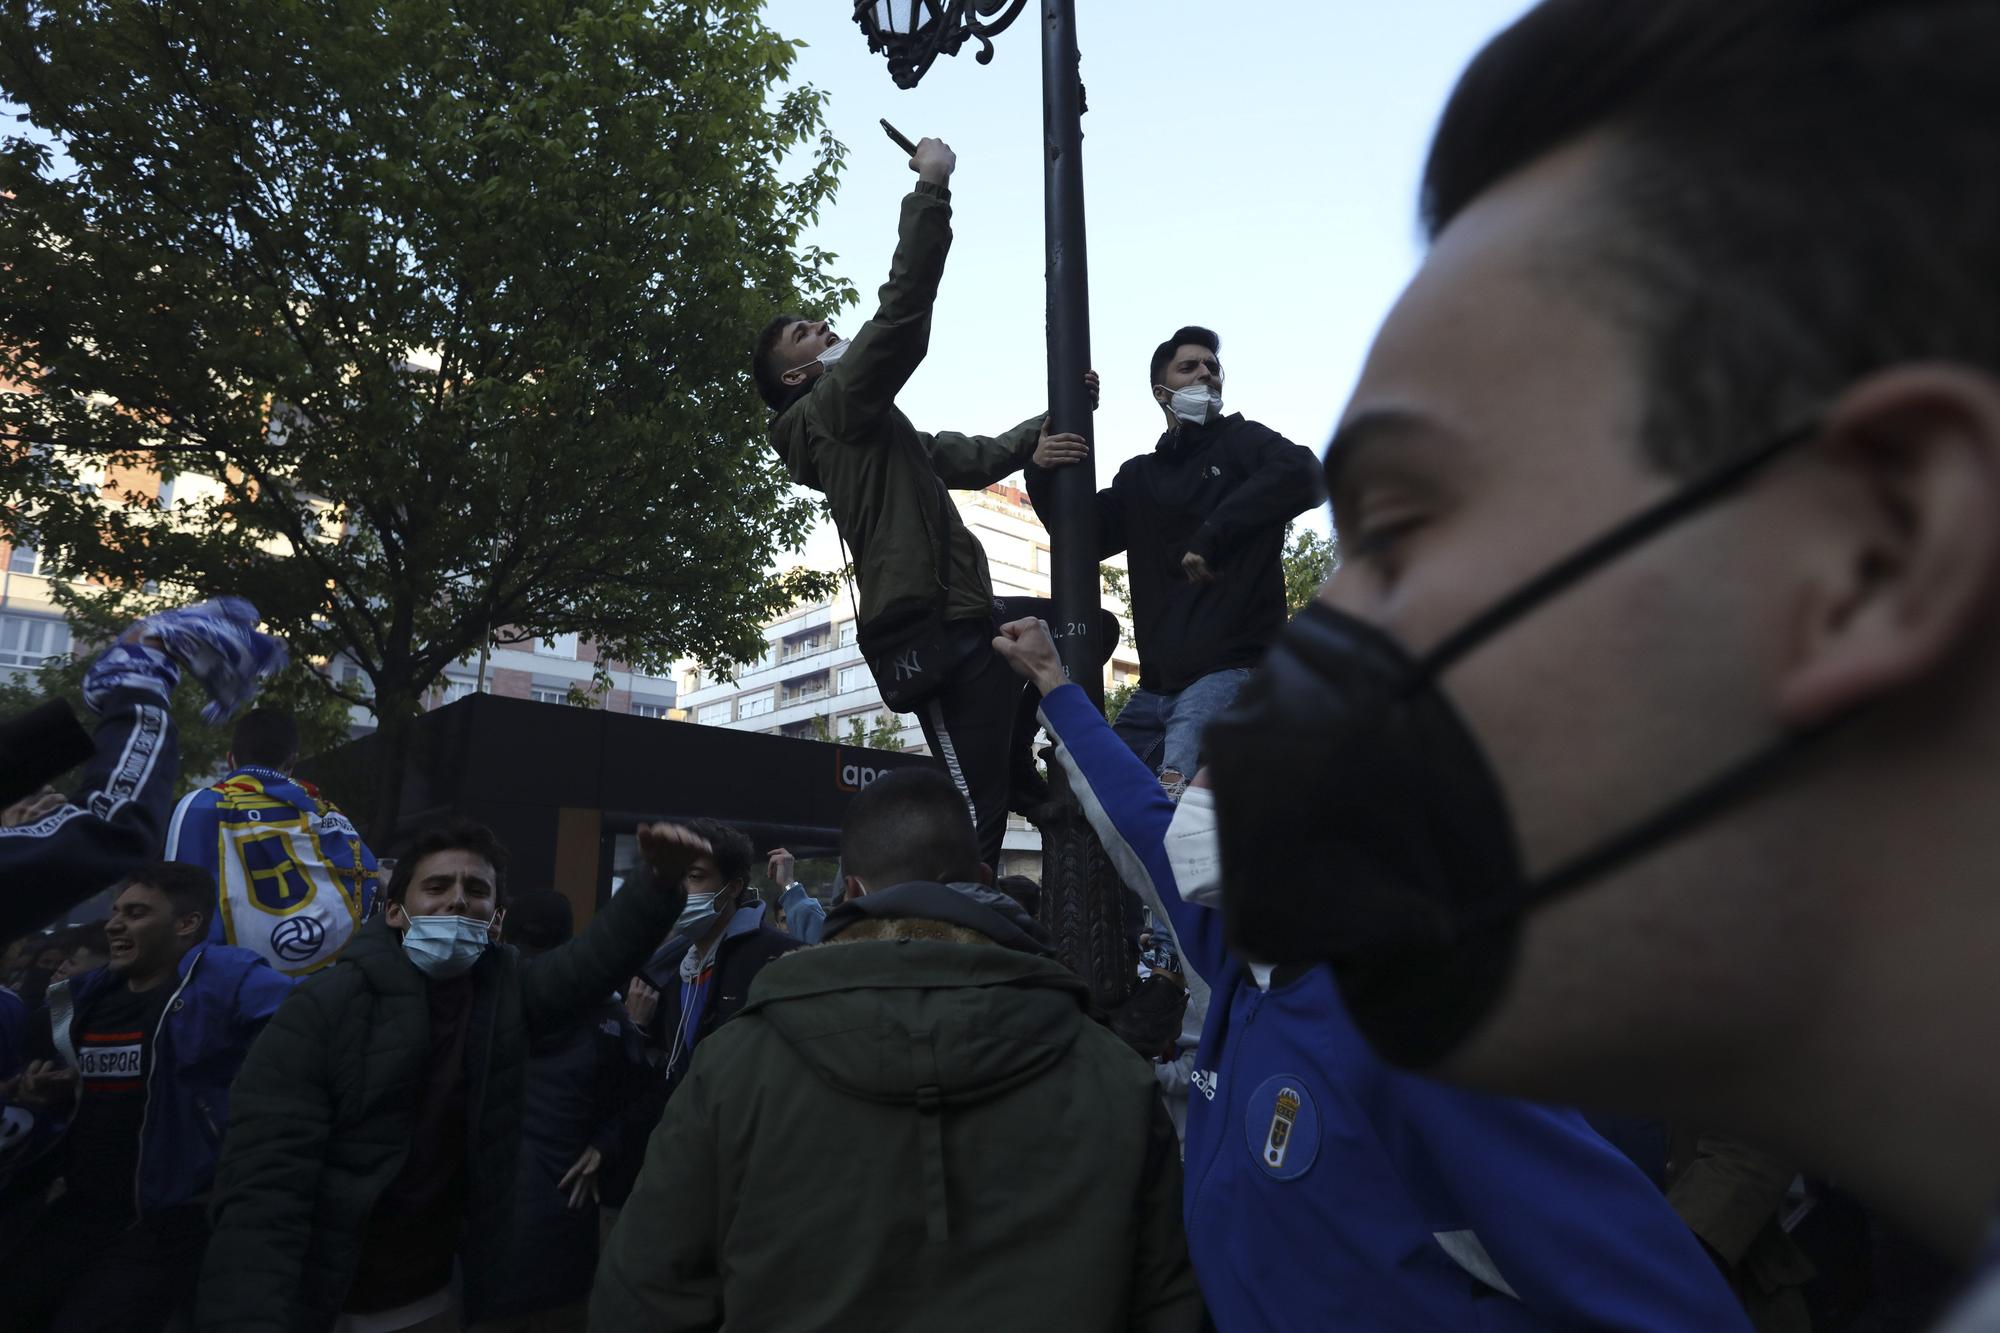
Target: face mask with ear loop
point(1343, 754)
point(1196, 404)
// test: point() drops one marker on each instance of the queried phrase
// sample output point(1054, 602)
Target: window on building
point(561, 645)
point(352, 676)
point(812, 687)
point(645, 708)
point(456, 689)
point(847, 634)
point(548, 694)
point(854, 678)
point(755, 705)
point(713, 715)
point(24, 560)
point(28, 641)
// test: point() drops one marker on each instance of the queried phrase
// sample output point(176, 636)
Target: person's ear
point(1904, 568)
point(1162, 394)
point(189, 926)
point(397, 915)
point(851, 888)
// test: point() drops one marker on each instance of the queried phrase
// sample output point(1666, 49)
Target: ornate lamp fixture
point(914, 33)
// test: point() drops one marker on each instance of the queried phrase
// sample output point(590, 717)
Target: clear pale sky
point(1250, 167)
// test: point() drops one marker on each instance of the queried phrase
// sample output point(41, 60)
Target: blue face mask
point(700, 913)
point(443, 947)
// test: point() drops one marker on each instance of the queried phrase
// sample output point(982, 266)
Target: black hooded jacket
point(1224, 491)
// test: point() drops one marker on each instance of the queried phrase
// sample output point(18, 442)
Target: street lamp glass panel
point(904, 17)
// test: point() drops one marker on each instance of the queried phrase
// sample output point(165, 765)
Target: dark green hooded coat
point(846, 439)
point(907, 1134)
point(320, 1117)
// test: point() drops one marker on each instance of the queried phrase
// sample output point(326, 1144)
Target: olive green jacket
point(907, 1134)
point(845, 439)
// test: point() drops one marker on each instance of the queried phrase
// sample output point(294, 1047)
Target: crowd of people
point(1578, 918)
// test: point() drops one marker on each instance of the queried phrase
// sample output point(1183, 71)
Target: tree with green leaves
point(1308, 558)
point(883, 732)
point(436, 316)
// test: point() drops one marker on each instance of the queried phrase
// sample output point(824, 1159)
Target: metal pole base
point(1085, 908)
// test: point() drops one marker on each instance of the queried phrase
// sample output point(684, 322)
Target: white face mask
point(1194, 850)
point(443, 947)
point(831, 355)
point(1196, 403)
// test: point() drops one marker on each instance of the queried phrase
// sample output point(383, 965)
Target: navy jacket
point(1326, 1189)
point(220, 1003)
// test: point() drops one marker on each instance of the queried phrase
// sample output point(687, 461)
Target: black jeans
point(81, 1272)
point(981, 724)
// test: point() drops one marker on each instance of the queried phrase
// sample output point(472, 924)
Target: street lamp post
point(1082, 902)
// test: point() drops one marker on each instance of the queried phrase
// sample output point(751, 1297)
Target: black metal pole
point(1072, 518)
point(1088, 913)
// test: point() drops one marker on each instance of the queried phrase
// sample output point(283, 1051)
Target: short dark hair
point(457, 835)
point(1187, 333)
point(912, 824)
point(764, 367)
point(733, 852)
point(1023, 891)
point(187, 888)
point(539, 920)
point(1795, 193)
point(265, 737)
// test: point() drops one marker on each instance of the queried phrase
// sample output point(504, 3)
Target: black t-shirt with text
point(114, 1050)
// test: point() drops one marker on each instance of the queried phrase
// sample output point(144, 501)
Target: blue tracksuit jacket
point(1327, 1190)
point(220, 1002)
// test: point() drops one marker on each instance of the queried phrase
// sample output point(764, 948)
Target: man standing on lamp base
point(1202, 518)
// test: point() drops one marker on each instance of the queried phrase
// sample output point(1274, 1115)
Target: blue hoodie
point(220, 1003)
point(1326, 1189)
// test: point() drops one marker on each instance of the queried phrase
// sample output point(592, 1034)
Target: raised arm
point(567, 981)
point(120, 817)
point(1121, 798)
point(1284, 482)
point(862, 386)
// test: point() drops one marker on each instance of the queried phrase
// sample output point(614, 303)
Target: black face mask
point(1343, 758)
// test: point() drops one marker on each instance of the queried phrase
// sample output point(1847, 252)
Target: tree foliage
point(883, 732)
point(1309, 558)
point(437, 313)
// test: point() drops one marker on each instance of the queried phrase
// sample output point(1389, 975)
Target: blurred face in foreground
point(1750, 965)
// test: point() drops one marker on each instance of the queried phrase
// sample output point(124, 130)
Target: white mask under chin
point(832, 355)
point(1194, 850)
point(1196, 404)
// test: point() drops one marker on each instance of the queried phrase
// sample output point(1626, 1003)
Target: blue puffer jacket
point(1326, 1189)
point(219, 1005)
